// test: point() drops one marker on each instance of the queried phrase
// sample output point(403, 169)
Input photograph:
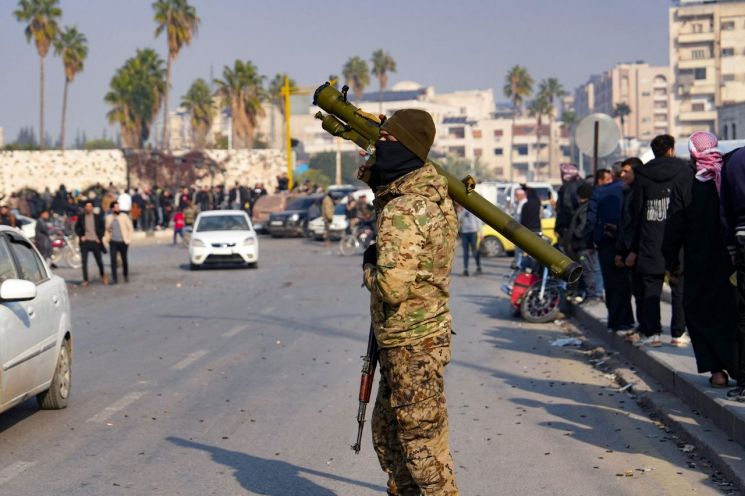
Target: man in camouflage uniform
point(408, 274)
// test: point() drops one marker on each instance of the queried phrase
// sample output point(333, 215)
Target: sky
point(451, 45)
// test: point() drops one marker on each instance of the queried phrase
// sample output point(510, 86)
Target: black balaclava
point(392, 160)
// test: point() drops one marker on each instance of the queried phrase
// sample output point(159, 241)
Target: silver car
point(35, 330)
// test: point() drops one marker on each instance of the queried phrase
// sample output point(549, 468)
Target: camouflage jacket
point(409, 286)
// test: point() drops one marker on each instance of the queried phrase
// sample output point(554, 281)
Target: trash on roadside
point(626, 387)
point(688, 448)
point(560, 343)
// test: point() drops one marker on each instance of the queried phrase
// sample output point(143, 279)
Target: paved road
point(226, 382)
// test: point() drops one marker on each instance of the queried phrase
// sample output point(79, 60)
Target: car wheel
point(55, 398)
point(492, 247)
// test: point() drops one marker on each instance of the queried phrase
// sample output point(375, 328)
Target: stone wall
point(79, 169)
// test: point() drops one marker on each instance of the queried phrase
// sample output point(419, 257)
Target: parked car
point(294, 220)
point(35, 329)
point(223, 237)
point(494, 244)
point(27, 225)
point(268, 204)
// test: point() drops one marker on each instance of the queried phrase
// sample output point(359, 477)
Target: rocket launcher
point(346, 121)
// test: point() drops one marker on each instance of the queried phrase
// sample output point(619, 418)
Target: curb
point(717, 431)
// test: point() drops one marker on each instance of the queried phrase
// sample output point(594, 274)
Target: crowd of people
point(674, 221)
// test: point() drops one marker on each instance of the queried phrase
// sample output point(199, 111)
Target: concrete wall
point(78, 169)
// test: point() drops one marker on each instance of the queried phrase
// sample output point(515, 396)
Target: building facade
point(707, 57)
point(732, 122)
point(645, 89)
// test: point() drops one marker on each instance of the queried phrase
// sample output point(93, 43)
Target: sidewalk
point(674, 368)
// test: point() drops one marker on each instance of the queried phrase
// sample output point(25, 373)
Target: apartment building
point(645, 89)
point(707, 57)
point(732, 122)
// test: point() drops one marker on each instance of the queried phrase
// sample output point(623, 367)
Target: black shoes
point(737, 394)
point(465, 273)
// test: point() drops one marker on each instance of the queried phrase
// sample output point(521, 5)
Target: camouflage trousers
point(410, 419)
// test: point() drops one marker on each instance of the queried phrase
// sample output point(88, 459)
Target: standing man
point(42, 238)
point(568, 202)
point(327, 212)
point(408, 276)
point(119, 232)
point(90, 229)
point(470, 230)
point(652, 187)
point(732, 209)
point(601, 232)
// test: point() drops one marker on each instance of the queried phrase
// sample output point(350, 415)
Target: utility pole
point(288, 137)
point(338, 160)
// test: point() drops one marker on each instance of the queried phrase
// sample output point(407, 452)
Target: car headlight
point(197, 243)
point(294, 217)
point(249, 242)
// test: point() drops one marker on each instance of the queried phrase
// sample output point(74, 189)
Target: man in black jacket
point(90, 230)
point(626, 227)
point(732, 202)
point(567, 202)
point(651, 196)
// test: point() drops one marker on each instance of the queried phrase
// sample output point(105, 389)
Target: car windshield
point(301, 204)
point(222, 223)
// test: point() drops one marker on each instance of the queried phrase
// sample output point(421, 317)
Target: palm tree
point(552, 89)
point(621, 110)
point(357, 76)
point(382, 64)
point(569, 120)
point(539, 107)
point(517, 86)
point(274, 91)
point(42, 27)
point(73, 47)
point(241, 90)
point(179, 21)
point(135, 94)
point(199, 103)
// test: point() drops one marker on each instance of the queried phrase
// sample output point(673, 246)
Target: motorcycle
point(357, 241)
point(66, 248)
point(535, 293)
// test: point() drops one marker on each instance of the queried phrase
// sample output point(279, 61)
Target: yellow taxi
point(494, 244)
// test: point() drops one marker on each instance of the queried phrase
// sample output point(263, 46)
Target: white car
point(223, 237)
point(27, 225)
point(35, 330)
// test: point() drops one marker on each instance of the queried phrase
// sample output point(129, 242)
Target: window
point(477, 152)
point(697, 107)
point(660, 92)
point(458, 151)
point(726, 132)
point(700, 73)
point(498, 133)
point(698, 28)
point(734, 131)
point(457, 132)
point(728, 52)
point(522, 149)
point(698, 54)
point(727, 78)
point(477, 133)
point(7, 268)
point(646, 93)
point(29, 263)
point(238, 222)
point(728, 25)
point(499, 151)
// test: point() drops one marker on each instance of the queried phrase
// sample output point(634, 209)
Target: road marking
point(235, 331)
point(12, 471)
point(120, 404)
point(190, 359)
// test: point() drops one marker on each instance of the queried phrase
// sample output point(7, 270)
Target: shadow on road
point(271, 477)
point(18, 414)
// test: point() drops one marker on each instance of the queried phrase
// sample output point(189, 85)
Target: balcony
point(685, 38)
point(691, 63)
point(705, 115)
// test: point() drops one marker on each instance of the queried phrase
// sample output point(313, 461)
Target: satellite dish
point(608, 135)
